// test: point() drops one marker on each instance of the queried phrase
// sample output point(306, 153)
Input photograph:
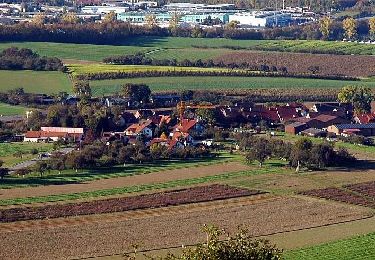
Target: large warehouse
point(261, 19)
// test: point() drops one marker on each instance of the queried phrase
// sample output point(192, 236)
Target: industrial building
point(162, 18)
point(261, 19)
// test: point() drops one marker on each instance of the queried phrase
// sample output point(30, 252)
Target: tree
point(359, 97)
point(110, 17)
point(233, 25)
point(138, 92)
point(325, 27)
point(322, 155)
point(39, 19)
point(82, 88)
point(151, 21)
point(301, 153)
point(173, 24)
point(70, 18)
point(220, 245)
point(125, 154)
point(259, 151)
point(41, 167)
point(3, 171)
point(371, 23)
point(350, 27)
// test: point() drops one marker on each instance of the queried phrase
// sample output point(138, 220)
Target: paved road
point(35, 160)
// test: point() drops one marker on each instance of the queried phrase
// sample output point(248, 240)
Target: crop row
point(342, 195)
point(156, 200)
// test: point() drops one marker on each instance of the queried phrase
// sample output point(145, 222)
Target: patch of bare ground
point(154, 200)
point(158, 228)
point(156, 177)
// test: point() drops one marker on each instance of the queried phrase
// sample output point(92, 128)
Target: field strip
point(134, 214)
point(126, 181)
point(170, 228)
point(319, 235)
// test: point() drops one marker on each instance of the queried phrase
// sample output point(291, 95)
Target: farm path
point(156, 177)
point(167, 227)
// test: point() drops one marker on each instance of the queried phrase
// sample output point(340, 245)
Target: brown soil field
point(367, 189)
point(165, 227)
point(157, 177)
point(155, 200)
point(348, 65)
point(340, 195)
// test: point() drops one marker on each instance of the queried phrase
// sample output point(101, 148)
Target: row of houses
point(332, 118)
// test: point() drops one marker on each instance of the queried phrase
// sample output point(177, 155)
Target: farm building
point(322, 121)
point(44, 136)
point(295, 128)
point(360, 129)
point(314, 132)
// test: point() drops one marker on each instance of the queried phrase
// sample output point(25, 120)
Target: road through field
point(156, 177)
point(109, 234)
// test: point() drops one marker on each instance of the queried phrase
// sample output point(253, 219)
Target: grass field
point(181, 48)
point(71, 176)
point(9, 110)
point(103, 87)
point(359, 248)
point(7, 151)
point(35, 81)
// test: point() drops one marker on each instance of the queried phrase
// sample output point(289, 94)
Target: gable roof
point(185, 125)
point(356, 126)
point(137, 128)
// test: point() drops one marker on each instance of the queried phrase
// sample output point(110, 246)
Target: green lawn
point(104, 87)
point(181, 48)
point(9, 110)
point(35, 81)
point(358, 248)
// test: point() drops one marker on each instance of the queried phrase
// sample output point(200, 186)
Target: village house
point(349, 129)
point(144, 128)
point(364, 118)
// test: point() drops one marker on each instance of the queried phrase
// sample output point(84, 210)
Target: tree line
point(141, 59)
point(303, 153)
point(25, 59)
point(111, 31)
point(99, 154)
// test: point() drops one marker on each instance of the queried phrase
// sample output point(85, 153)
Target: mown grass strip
point(137, 188)
point(359, 248)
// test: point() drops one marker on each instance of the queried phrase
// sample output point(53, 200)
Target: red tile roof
point(137, 128)
point(185, 125)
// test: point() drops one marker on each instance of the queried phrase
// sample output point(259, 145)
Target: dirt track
point(156, 177)
point(165, 227)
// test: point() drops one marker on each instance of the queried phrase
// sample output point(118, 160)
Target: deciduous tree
point(325, 27)
point(350, 27)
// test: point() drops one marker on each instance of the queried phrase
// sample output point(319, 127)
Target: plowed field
point(354, 66)
point(156, 200)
